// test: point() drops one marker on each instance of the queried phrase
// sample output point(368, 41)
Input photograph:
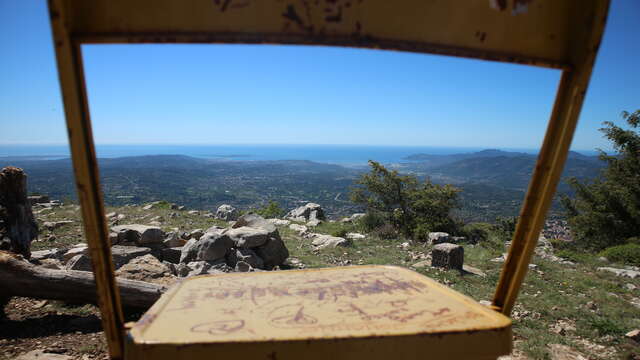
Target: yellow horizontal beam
point(535, 32)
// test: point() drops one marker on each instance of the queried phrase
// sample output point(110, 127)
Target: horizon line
point(482, 147)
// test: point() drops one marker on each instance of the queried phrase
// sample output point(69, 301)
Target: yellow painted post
point(71, 75)
point(549, 166)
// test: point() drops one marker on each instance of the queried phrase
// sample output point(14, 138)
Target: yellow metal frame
point(561, 34)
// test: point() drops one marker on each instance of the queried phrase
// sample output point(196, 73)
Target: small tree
point(271, 210)
point(606, 211)
point(388, 193)
point(406, 203)
point(431, 205)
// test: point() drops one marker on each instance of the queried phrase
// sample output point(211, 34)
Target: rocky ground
point(567, 309)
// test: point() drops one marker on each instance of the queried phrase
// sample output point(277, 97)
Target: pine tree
point(606, 211)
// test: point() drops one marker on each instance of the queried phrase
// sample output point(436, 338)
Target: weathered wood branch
point(16, 219)
point(19, 277)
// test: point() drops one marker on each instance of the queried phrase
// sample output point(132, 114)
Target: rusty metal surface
point(535, 32)
point(360, 304)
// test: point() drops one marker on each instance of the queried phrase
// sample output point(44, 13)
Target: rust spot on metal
point(292, 15)
point(336, 17)
point(500, 5)
point(54, 15)
point(481, 35)
point(520, 6)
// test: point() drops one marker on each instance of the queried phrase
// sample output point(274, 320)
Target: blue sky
point(231, 94)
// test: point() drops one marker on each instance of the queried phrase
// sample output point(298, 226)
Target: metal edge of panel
point(450, 345)
point(73, 89)
point(551, 160)
point(363, 42)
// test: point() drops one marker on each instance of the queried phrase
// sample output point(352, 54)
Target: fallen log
point(16, 219)
point(19, 277)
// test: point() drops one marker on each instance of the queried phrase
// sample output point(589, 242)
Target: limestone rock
point(245, 255)
point(215, 229)
point(227, 213)
point(279, 222)
point(172, 254)
point(248, 237)
point(255, 221)
point(138, 234)
point(79, 262)
point(47, 254)
point(314, 222)
point(38, 199)
point(242, 266)
point(189, 251)
point(120, 256)
point(633, 335)
point(197, 233)
point(273, 252)
point(113, 238)
point(310, 211)
point(621, 272)
point(355, 236)
point(52, 225)
point(123, 254)
point(447, 255)
point(173, 240)
point(198, 268)
point(438, 238)
point(146, 268)
point(74, 251)
point(210, 247)
point(473, 270)
point(40, 354)
point(321, 241)
point(421, 264)
point(300, 229)
point(195, 268)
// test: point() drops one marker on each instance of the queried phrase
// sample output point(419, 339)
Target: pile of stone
point(251, 243)
point(147, 253)
point(43, 202)
point(311, 214)
point(227, 213)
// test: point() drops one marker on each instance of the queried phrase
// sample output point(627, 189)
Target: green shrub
point(575, 256)
point(339, 233)
point(606, 326)
point(421, 232)
point(634, 240)
point(270, 211)
point(603, 211)
point(560, 244)
point(477, 232)
point(626, 254)
point(386, 231)
point(371, 221)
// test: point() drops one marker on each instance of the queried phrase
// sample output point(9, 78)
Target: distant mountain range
point(511, 170)
point(436, 160)
point(493, 181)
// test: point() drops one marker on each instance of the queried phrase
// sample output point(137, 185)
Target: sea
point(331, 154)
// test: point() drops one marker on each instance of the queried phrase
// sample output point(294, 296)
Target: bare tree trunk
point(16, 219)
point(19, 277)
